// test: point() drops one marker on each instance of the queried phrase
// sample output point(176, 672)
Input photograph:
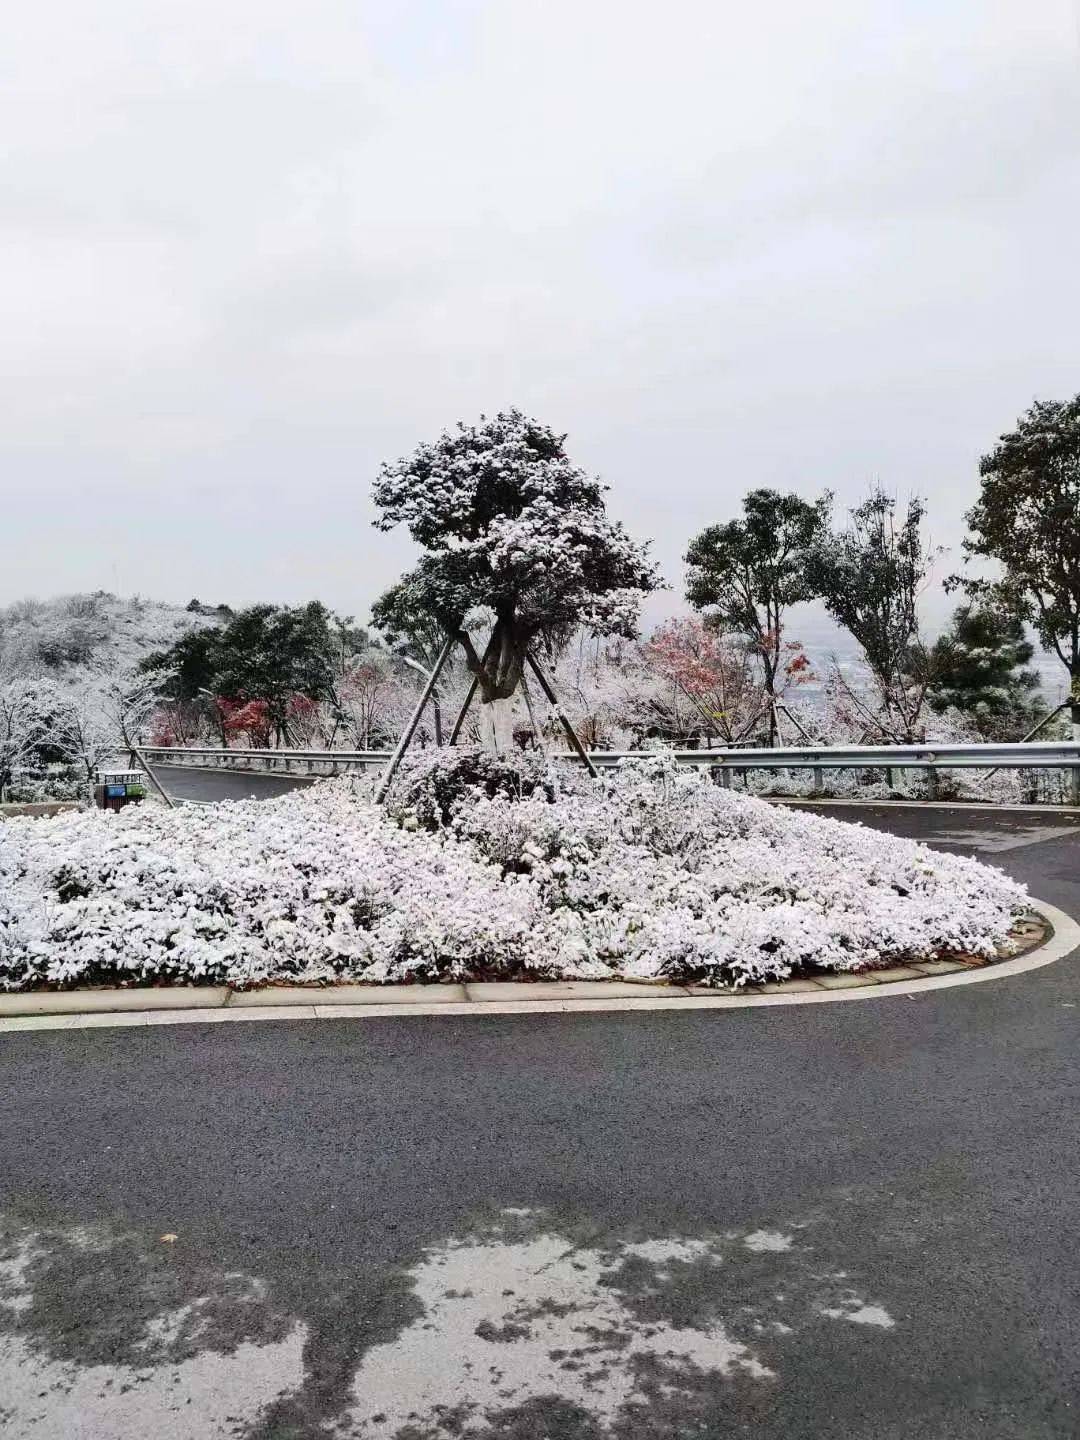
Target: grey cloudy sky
point(250, 249)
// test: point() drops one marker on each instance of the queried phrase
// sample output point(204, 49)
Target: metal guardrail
point(1042, 755)
point(891, 757)
point(285, 761)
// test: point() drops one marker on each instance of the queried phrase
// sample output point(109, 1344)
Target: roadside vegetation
point(519, 559)
point(480, 867)
point(492, 859)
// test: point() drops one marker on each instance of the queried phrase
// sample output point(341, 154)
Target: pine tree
point(978, 668)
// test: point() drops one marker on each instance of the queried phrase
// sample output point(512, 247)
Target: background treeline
point(84, 675)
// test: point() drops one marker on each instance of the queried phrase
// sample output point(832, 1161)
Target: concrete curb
point(86, 1009)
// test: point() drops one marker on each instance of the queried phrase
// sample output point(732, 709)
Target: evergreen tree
point(267, 654)
point(746, 573)
point(510, 527)
point(978, 668)
point(1027, 519)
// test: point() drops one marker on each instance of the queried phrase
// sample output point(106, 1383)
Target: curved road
point(850, 1220)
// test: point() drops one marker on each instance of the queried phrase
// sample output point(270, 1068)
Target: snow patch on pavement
point(507, 1323)
point(525, 1316)
point(764, 1240)
point(180, 1378)
point(208, 1395)
point(860, 1314)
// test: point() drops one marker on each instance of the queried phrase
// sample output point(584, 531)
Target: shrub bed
point(480, 868)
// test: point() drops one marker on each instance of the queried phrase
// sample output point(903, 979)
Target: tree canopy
point(512, 528)
point(1027, 518)
point(978, 666)
point(746, 573)
point(405, 626)
point(267, 654)
point(870, 577)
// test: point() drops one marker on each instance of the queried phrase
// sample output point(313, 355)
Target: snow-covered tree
point(511, 527)
point(713, 672)
point(22, 726)
point(602, 684)
point(1027, 519)
point(745, 574)
point(373, 699)
point(870, 577)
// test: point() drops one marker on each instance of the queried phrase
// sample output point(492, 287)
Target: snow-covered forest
point(75, 685)
point(71, 687)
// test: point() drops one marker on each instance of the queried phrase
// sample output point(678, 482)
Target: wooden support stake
point(410, 729)
point(553, 700)
point(532, 717)
point(460, 721)
point(1032, 733)
point(473, 687)
point(138, 755)
point(791, 717)
point(776, 724)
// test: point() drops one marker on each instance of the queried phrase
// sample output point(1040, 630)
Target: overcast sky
point(250, 249)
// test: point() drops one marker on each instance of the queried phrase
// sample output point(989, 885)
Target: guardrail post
point(1074, 785)
point(819, 779)
point(890, 777)
point(931, 780)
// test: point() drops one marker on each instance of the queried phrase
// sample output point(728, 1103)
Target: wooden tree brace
point(410, 729)
point(460, 721)
point(553, 700)
point(532, 717)
point(137, 754)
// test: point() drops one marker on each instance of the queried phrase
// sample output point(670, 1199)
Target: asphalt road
point(186, 782)
point(850, 1220)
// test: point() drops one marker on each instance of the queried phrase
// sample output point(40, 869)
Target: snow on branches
point(512, 527)
point(485, 867)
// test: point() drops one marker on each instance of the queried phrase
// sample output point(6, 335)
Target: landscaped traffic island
point(482, 868)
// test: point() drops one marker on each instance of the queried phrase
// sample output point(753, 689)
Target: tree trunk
point(770, 700)
point(497, 725)
point(500, 668)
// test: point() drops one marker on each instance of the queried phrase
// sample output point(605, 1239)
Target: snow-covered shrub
point(667, 874)
point(311, 886)
point(647, 873)
point(430, 786)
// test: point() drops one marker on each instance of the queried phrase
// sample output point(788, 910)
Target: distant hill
point(73, 640)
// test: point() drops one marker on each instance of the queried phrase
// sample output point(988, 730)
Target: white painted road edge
point(1064, 940)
